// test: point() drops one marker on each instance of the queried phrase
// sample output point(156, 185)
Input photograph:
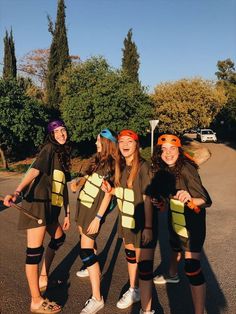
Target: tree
point(226, 71)
point(34, 65)
point(226, 75)
point(22, 121)
point(130, 60)
point(9, 66)
point(94, 96)
point(186, 104)
point(58, 58)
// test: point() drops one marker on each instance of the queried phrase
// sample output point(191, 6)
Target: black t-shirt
point(44, 197)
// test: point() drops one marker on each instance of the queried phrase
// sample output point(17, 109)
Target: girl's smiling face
point(127, 146)
point(170, 154)
point(60, 134)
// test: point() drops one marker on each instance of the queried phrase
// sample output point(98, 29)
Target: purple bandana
point(54, 124)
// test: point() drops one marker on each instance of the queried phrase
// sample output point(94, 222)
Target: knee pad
point(145, 270)
point(54, 244)
point(88, 257)
point(34, 255)
point(194, 272)
point(130, 256)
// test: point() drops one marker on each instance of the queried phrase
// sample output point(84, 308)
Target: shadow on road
point(179, 295)
point(62, 271)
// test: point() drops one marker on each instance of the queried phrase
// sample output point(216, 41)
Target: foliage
point(226, 75)
point(94, 97)
point(226, 71)
point(22, 119)
point(146, 153)
point(186, 104)
point(34, 65)
point(130, 60)
point(59, 57)
point(9, 67)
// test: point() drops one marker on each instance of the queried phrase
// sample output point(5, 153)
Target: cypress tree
point(58, 58)
point(9, 66)
point(130, 60)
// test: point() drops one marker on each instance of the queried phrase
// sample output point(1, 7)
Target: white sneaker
point(82, 273)
point(163, 279)
point(92, 306)
point(146, 312)
point(128, 298)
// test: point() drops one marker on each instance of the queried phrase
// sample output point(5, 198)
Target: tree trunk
point(3, 159)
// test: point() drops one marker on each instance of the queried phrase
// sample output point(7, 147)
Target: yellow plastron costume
point(125, 201)
point(178, 218)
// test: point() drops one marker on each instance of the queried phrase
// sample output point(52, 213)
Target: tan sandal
point(47, 307)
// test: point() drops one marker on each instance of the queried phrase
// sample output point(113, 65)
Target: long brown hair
point(104, 159)
point(121, 163)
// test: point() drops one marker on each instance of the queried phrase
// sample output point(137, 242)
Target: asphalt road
point(219, 257)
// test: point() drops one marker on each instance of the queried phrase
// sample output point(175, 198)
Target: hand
point(73, 186)
point(76, 184)
point(146, 236)
point(66, 223)
point(94, 226)
point(8, 199)
point(106, 187)
point(183, 196)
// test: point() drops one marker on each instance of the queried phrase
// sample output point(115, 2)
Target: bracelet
point(99, 217)
point(67, 213)
point(149, 228)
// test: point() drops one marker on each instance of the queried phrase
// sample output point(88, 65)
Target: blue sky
point(175, 38)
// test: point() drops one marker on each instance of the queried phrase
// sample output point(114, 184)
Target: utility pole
point(153, 124)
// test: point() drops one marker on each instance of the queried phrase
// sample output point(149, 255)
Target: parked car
point(207, 135)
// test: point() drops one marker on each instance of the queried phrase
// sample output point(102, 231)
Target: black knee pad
point(130, 256)
point(54, 244)
point(194, 272)
point(34, 255)
point(88, 257)
point(145, 270)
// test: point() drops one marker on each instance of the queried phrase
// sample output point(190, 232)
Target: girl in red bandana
point(136, 220)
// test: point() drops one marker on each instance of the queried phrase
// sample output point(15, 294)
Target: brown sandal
point(47, 307)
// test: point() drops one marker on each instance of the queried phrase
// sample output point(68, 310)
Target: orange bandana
point(128, 133)
point(169, 138)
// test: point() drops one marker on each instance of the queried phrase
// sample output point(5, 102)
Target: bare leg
point(56, 232)
point(199, 296)
point(94, 270)
point(198, 292)
point(132, 269)
point(174, 260)
point(35, 238)
point(145, 285)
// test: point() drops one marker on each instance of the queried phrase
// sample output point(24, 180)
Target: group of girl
point(117, 169)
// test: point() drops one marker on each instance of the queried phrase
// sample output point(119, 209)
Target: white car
point(207, 135)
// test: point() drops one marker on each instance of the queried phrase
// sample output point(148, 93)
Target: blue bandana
point(107, 134)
